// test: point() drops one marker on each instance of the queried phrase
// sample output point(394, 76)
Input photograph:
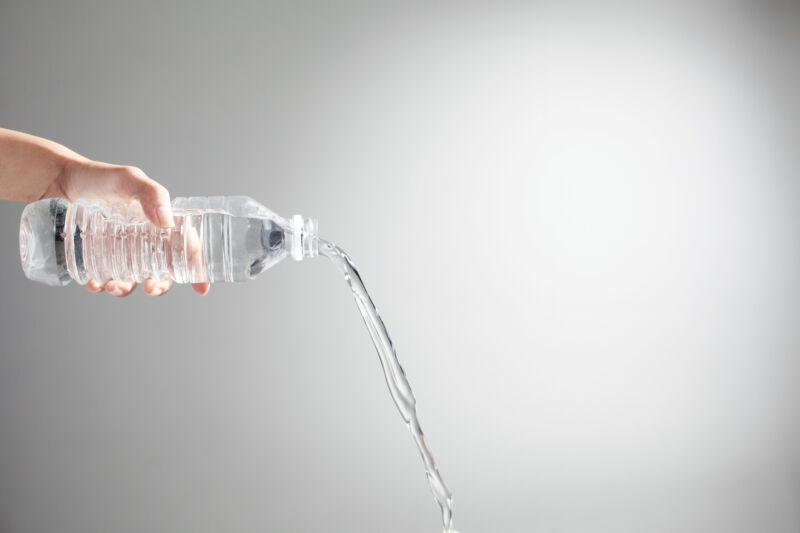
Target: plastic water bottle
point(215, 239)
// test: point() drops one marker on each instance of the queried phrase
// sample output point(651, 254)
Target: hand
point(32, 168)
point(120, 184)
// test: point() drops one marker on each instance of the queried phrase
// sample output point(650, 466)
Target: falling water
point(395, 377)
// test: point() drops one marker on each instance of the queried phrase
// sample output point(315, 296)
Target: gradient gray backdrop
point(581, 225)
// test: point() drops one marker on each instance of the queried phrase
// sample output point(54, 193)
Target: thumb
point(134, 184)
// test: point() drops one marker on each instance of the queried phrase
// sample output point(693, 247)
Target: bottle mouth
point(305, 242)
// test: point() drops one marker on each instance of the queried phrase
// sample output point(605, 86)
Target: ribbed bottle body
point(103, 243)
point(214, 239)
point(207, 243)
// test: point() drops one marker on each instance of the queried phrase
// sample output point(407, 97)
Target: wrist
point(32, 167)
point(67, 164)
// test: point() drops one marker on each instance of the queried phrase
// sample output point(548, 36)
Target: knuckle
point(133, 173)
point(135, 180)
point(136, 171)
point(161, 190)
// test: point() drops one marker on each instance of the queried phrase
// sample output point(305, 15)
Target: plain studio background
point(581, 225)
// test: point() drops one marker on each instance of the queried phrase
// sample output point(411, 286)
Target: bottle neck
point(303, 238)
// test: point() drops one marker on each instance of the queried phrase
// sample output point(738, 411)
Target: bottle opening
point(305, 242)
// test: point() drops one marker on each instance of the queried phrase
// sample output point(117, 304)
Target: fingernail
point(157, 292)
point(116, 292)
point(164, 215)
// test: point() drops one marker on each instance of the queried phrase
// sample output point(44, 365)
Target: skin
point(32, 168)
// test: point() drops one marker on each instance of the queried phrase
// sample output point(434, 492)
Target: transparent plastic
point(215, 239)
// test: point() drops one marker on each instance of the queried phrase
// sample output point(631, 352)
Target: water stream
point(396, 380)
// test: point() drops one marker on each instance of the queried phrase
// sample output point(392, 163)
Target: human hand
point(32, 168)
point(121, 184)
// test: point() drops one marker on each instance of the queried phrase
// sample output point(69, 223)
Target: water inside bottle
point(234, 248)
point(240, 238)
point(399, 387)
point(215, 239)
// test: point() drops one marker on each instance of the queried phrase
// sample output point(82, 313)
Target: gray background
point(582, 227)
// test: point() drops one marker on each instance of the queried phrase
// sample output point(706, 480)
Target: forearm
point(30, 166)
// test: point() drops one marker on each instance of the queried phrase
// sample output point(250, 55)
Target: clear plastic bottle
point(215, 239)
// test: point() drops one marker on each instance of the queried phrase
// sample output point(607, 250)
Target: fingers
point(120, 289)
point(153, 287)
point(94, 286)
point(196, 261)
point(201, 288)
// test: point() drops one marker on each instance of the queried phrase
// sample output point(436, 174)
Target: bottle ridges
point(103, 244)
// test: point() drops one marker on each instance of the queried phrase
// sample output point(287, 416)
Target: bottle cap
point(304, 237)
point(41, 242)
